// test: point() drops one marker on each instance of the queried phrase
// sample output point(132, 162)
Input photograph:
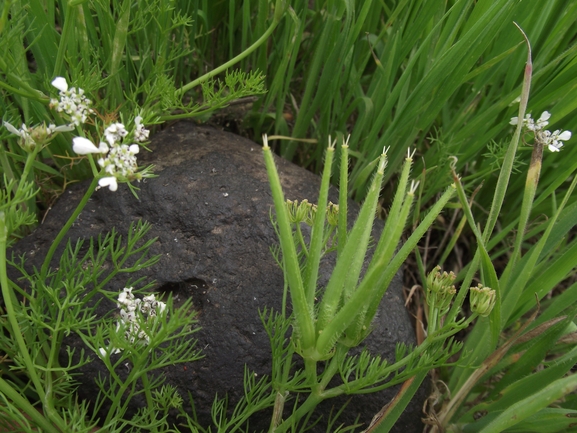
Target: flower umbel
point(553, 140)
point(118, 160)
point(135, 314)
point(72, 102)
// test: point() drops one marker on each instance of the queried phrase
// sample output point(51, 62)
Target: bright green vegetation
point(493, 203)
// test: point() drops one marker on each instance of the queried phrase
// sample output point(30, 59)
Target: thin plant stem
point(8, 296)
point(276, 20)
point(64, 230)
point(148, 395)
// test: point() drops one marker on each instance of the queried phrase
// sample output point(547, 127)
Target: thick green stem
point(302, 312)
point(30, 162)
point(528, 197)
point(24, 405)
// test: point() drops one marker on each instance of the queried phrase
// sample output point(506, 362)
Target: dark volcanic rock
point(209, 208)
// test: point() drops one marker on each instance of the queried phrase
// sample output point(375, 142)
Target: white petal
point(545, 116)
point(60, 83)
point(83, 146)
point(110, 182)
point(565, 135)
point(102, 352)
point(63, 128)
point(11, 128)
point(103, 147)
point(134, 148)
point(514, 121)
point(138, 120)
point(553, 148)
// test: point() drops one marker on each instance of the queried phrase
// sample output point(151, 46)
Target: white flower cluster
point(134, 312)
point(553, 140)
point(72, 102)
point(120, 161)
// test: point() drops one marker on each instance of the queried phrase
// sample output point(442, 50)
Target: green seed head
point(333, 214)
point(482, 300)
point(440, 289)
point(298, 212)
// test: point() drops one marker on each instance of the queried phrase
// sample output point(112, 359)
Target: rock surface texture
point(209, 208)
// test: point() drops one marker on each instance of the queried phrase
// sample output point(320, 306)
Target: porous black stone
point(209, 208)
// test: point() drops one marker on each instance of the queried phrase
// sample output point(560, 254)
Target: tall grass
point(443, 76)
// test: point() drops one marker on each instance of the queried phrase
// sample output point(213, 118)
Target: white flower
point(125, 297)
point(23, 132)
point(115, 133)
point(104, 352)
point(121, 160)
point(60, 83)
point(83, 146)
point(12, 129)
point(543, 121)
point(530, 124)
point(130, 307)
point(52, 128)
point(554, 141)
point(110, 182)
point(26, 140)
point(140, 133)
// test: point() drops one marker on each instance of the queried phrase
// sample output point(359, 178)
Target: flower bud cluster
point(440, 290)
point(553, 140)
point(72, 101)
point(333, 214)
point(300, 212)
point(482, 300)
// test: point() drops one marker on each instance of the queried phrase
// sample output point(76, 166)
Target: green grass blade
point(528, 406)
